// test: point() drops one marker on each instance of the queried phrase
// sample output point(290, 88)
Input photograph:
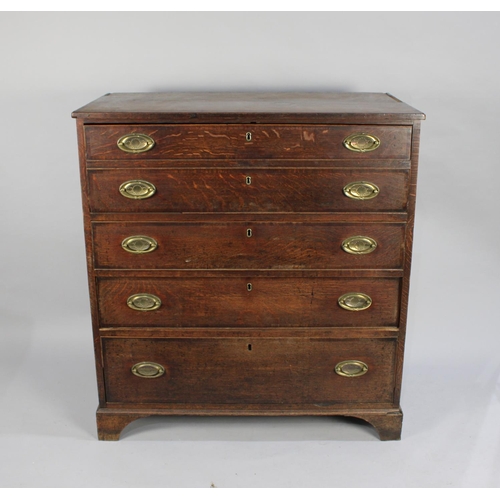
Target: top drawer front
point(219, 142)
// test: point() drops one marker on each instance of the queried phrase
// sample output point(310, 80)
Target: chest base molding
point(112, 421)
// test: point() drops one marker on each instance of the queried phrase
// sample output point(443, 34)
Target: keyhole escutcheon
point(248, 180)
point(249, 287)
point(248, 136)
point(249, 233)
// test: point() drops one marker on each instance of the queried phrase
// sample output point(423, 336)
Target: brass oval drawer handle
point(144, 302)
point(361, 190)
point(137, 189)
point(139, 244)
point(148, 369)
point(355, 301)
point(360, 142)
point(135, 143)
point(359, 245)
point(351, 368)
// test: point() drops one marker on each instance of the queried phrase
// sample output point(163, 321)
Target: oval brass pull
point(361, 190)
point(137, 189)
point(361, 142)
point(139, 244)
point(144, 302)
point(351, 368)
point(148, 369)
point(135, 143)
point(359, 245)
point(355, 301)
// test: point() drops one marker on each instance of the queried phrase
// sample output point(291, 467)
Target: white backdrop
point(444, 64)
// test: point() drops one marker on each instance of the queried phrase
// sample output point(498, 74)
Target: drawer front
point(246, 370)
point(252, 245)
point(218, 142)
point(247, 302)
point(247, 190)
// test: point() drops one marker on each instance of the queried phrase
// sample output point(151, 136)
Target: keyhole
point(248, 180)
point(249, 347)
point(249, 287)
point(248, 136)
point(249, 233)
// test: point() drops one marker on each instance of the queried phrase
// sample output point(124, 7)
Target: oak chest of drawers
point(248, 254)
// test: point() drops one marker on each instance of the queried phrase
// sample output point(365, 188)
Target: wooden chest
point(248, 254)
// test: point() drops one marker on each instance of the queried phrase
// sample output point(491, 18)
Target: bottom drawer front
point(248, 370)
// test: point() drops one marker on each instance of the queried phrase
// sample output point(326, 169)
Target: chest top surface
point(244, 107)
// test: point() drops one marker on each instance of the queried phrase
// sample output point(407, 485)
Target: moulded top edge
point(236, 107)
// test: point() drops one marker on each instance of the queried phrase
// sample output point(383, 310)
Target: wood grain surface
point(271, 190)
point(272, 245)
point(248, 371)
point(248, 107)
point(225, 302)
point(221, 142)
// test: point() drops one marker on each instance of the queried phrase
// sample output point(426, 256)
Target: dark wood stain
point(229, 141)
point(227, 350)
point(214, 370)
point(248, 107)
point(217, 190)
point(272, 245)
point(226, 302)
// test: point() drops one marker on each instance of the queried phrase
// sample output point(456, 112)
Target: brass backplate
point(361, 190)
point(144, 302)
point(359, 245)
point(351, 368)
point(137, 189)
point(139, 244)
point(355, 301)
point(135, 143)
point(148, 369)
point(361, 142)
